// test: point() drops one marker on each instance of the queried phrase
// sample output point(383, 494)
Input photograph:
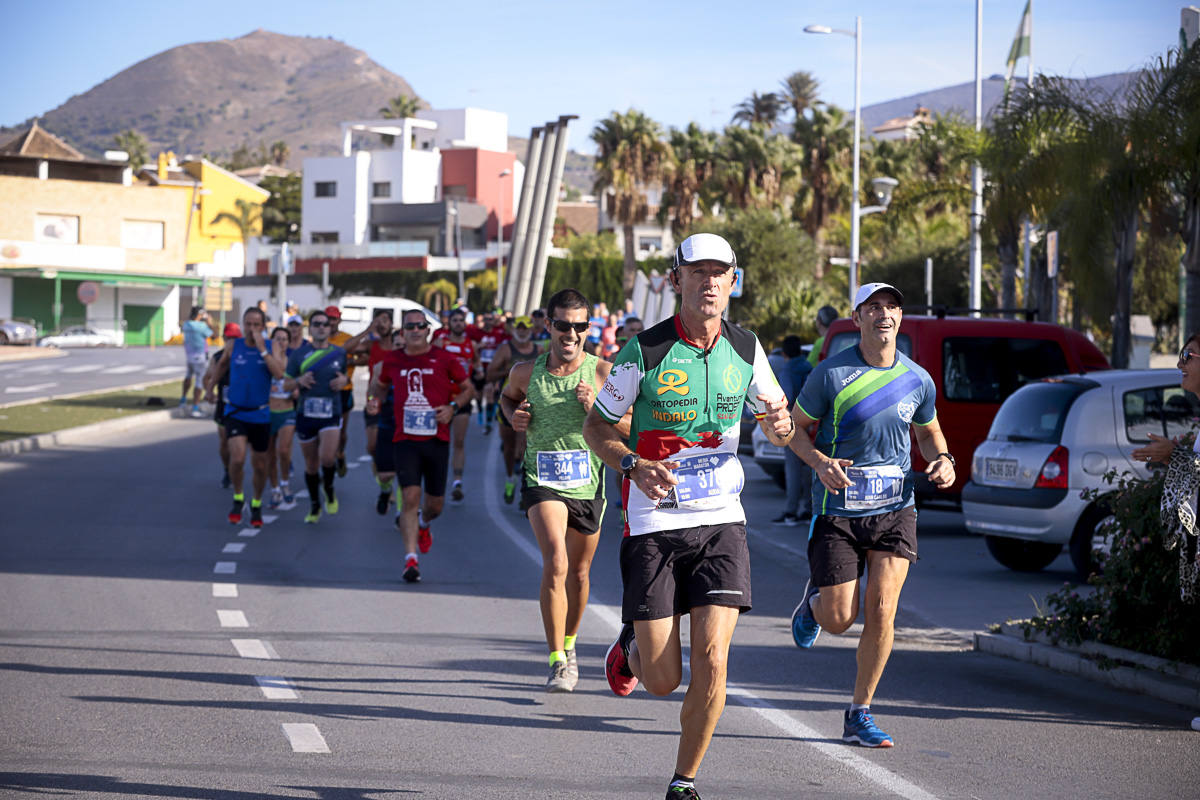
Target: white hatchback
point(1054, 440)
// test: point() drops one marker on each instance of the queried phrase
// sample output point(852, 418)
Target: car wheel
point(1092, 540)
point(1022, 555)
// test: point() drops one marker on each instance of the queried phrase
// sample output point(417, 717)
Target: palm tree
point(402, 106)
point(800, 91)
point(437, 294)
point(632, 158)
point(826, 138)
point(759, 109)
point(695, 155)
point(248, 221)
point(280, 152)
point(135, 145)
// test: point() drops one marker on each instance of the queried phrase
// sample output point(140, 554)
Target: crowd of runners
point(571, 390)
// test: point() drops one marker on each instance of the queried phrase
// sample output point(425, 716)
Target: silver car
point(14, 331)
point(1051, 441)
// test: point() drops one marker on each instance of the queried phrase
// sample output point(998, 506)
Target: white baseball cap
point(704, 247)
point(867, 289)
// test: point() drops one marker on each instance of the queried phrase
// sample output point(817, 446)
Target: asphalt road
point(126, 669)
point(87, 370)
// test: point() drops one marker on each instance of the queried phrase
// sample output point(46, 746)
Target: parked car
point(1054, 440)
point(359, 310)
point(80, 336)
point(14, 331)
point(768, 456)
point(975, 364)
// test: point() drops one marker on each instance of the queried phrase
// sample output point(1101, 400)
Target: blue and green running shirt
point(318, 401)
point(687, 407)
point(864, 414)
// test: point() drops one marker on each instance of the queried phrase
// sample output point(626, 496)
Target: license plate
point(1004, 469)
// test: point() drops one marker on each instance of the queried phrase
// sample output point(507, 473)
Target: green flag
point(1022, 45)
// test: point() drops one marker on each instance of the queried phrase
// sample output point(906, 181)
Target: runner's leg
point(237, 463)
point(886, 573)
point(581, 548)
point(712, 631)
point(656, 657)
point(549, 522)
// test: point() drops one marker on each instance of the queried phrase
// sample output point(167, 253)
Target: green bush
point(1136, 604)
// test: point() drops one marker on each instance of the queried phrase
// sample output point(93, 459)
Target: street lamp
point(462, 293)
point(854, 213)
point(500, 233)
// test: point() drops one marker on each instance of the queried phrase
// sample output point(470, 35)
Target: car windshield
point(987, 369)
point(1035, 413)
point(848, 339)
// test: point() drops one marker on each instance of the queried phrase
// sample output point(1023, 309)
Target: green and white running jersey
point(556, 456)
point(687, 407)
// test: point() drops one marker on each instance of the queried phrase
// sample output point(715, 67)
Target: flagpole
point(976, 264)
point(1028, 223)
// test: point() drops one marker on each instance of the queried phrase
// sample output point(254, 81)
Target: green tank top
point(556, 432)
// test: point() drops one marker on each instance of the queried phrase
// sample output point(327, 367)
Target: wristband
point(948, 457)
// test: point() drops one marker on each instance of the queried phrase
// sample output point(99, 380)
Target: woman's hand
point(1158, 451)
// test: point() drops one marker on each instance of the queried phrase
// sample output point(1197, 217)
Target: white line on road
point(225, 590)
point(35, 387)
point(123, 370)
point(248, 532)
point(254, 648)
point(232, 619)
point(225, 567)
point(274, 688)
point(354, 465)
point(82, 368)
point(234, 547)
point(301, 493)
point(164, 370)
point(305, 738)
point(269, 518)
point(780, 719)
point(40, 369)
point(364, 458)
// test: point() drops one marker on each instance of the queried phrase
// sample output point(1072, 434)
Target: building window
point(325, 188)
point(381, 189)
point(56, 228)
point(324, 237)
point(141, 234)
point(648, 244)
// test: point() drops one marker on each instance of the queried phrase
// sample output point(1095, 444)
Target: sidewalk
point(19, 352)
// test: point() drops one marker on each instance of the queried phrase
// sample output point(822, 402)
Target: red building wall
point(478, 173)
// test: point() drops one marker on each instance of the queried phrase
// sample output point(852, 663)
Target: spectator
point(608, 335)
point(196, 333)
point(270, 324)
point(797, 475)
point(825, 317)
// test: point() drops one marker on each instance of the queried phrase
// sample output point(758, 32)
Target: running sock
point(327, 474)
point(569, 642)
point(399, 498)
point(385, 488)
point(255, 502)
point(855, 707)
point(556, 656)
point(682, 781)
point(313, 481)
point(410, 557)
point(239, 498)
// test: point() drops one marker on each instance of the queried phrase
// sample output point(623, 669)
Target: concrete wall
point(414, 175)
point(5, 298)
point(345, 213)
point(464, 127)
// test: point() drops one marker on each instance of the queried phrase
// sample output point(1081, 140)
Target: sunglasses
point(318, 324)
point(1186, 354)
point(415, 326)
point(562, 326)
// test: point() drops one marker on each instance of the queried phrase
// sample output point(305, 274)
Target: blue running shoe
point(860, 728)
point(805, 628)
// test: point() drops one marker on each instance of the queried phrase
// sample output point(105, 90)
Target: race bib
point(318, 407)
point(487, 354)
point(873, 487)
point(420, 422)
point(708, 481)
point(564, 469)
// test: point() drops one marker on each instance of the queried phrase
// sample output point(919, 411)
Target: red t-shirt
point(488, 341)
point(464, 351)
point(377, 354)
point(420, 384)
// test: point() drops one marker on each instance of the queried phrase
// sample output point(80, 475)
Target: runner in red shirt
point(457, 342)
point(428, 385)
point(491, 333)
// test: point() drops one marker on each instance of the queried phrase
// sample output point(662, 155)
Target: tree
point(695, 155)
point(438, 294)
point(281, 213)
point(401, 106)
point(800, 91)
point(632, 158)
point(135, 145)
point(826, 139)
point(759, 109)
point(755, 168)
point(248, 220)
point(593, 245)
point(280, 152)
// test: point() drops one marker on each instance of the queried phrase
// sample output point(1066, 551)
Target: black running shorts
point(584, 516)
point(423, 462)
point(347, 401)
point(309, 428)
point(671, 572)
point(385, 451)
point(838, 546)
point(258, 434)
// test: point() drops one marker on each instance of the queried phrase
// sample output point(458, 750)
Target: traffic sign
point(88, 292)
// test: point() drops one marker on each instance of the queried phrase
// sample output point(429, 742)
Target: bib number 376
point(706, 481)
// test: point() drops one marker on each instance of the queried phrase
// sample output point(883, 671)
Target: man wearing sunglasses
point(318, 369)
point(429, 385)
point(547, 400)
point(684, 551)
point(455, 341)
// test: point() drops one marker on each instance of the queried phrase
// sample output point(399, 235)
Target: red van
point(975, 363)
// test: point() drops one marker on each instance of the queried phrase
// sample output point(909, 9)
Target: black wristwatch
point(628, 462)
point(948, 457)
point(454, 406)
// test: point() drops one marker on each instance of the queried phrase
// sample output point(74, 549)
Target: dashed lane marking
point(225, 590)
point(274, 688)
point(234, 547)
point(225, 567)
point(249, 532)
point(232, 619)
point(164, 370)
point(82, 368)
point(305, 737)
point(254, 648)
point(364, 458)
point(34, 387)
point(123, 370)
point(269, 518)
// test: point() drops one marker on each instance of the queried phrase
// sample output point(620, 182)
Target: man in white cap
point(866, 399)
point(684, 552)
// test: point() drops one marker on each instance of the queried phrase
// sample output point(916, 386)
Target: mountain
point(211, 97)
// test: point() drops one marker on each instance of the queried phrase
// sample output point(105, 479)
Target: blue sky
point(677, 61)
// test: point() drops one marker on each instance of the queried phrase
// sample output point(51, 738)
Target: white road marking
point(301, 493)
point(225, 567)
point(34, 387)
point(276, 688)
point(364, 458)
point(844, 754)
point(234, 547)
point(123, 370)
point(82, 368)
point(232, 619)
point(165, 370)
point(225, 590)
point(269, 518)
point(41, 369)
point(254, 648)
point(305, 737)
point(248, 532)
point(353, 465)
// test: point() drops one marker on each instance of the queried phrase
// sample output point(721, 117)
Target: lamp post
point(854, 210)
point(462, 292)
point(500, 235)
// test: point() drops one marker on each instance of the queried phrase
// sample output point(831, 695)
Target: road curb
point(20, 352)
point(82, 433)
point(1121, 669)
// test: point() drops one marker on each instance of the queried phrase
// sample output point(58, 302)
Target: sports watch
point(948, 457)
point(628, 462)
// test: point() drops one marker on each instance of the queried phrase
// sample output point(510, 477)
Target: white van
point(358, 310)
